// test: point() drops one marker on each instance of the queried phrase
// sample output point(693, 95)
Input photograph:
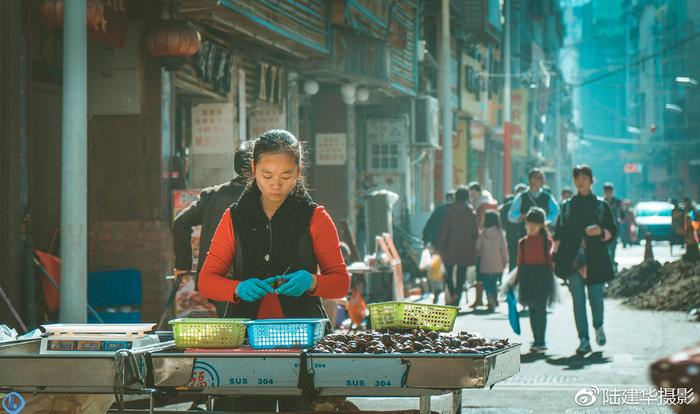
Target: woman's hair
point(491, 219)
point(242, 157)
point(462, 194)
point(537, 215)
point(583, 169)
point(280, 141)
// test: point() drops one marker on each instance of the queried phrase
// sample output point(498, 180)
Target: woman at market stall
point(275, 234)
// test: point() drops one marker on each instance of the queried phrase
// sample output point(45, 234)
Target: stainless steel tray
point(24, 369)
point(334, 374)
point(446, 372)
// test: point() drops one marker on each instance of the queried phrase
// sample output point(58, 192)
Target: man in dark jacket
point(207, 212)
point(457, 243)
point(583, 230)
point(431, 232)
point(616, 206)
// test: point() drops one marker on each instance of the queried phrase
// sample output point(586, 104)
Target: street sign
point(633, 168)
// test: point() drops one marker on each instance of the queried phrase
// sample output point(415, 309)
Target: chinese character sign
point(330, 149)
point(212, 129)
point(519, 129)
point(266, 118)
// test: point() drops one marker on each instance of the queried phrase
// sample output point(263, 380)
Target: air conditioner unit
point(427, 123)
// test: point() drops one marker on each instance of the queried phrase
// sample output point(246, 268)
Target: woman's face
point(276, 176)
point(583, 184)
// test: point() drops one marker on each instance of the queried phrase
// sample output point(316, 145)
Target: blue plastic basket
point(285, 333)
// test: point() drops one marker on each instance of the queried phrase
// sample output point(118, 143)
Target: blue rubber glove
point(297, 283)
point(253, 289)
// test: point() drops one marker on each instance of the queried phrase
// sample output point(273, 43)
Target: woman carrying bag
point(275, 234)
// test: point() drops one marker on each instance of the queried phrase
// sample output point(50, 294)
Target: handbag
point(426, 260)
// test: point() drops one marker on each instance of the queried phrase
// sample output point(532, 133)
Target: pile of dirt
point(675, 286)
point(635, 280)
point(678, 289)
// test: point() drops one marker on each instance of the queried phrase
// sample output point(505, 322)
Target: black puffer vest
point(528, 201)
point(267, 248)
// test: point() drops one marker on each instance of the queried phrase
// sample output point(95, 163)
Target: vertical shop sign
point(519, 125)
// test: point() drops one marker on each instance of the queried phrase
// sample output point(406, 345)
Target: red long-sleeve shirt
point(534, 251)
point(333, 281)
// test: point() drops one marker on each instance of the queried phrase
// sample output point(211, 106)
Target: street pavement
point(548, 383)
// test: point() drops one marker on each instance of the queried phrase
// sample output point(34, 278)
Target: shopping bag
point(513, 317)
point(426, 260)
point(512, 278)
point(437, 269)
point(471, 275)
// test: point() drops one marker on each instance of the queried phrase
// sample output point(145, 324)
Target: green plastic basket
point(403, 315)
point(208, 332)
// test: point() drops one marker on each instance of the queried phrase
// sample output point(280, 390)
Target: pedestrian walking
point(617, 214)
point(457, 243)
point(627, 229)
point(207, 211)
point(582, 232)
point(535, 276)
point(431, 232)
point(492, 253)
point(482, 201)
point(535, 196)
point(513, 230)
point(254, 238)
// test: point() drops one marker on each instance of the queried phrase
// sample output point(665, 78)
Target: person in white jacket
point(492, 249)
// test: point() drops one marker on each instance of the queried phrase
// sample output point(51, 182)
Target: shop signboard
point(212, 129)
point(265, 118)
point(331, 149)
point(460, 148)
point(519, 125)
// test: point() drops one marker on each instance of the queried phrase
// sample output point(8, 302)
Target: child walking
point(535, 274)
point(492, 248)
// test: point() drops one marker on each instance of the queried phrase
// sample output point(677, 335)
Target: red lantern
point(173, 41)
point(51, 11)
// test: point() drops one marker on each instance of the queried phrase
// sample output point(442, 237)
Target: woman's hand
point(253, 289)
point(593, 230)
point(297, 283)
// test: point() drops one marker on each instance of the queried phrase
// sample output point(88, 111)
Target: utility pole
point(74, 166)
point(507, 144)
point(445, 99)
point(559, 161)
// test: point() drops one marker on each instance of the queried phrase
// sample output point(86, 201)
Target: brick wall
point(142, 245)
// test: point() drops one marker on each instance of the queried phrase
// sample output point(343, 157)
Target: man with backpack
point(513, 230)
point(535, 196)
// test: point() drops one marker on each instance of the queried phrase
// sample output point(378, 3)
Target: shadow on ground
point(532, 357)
point(576, 362)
